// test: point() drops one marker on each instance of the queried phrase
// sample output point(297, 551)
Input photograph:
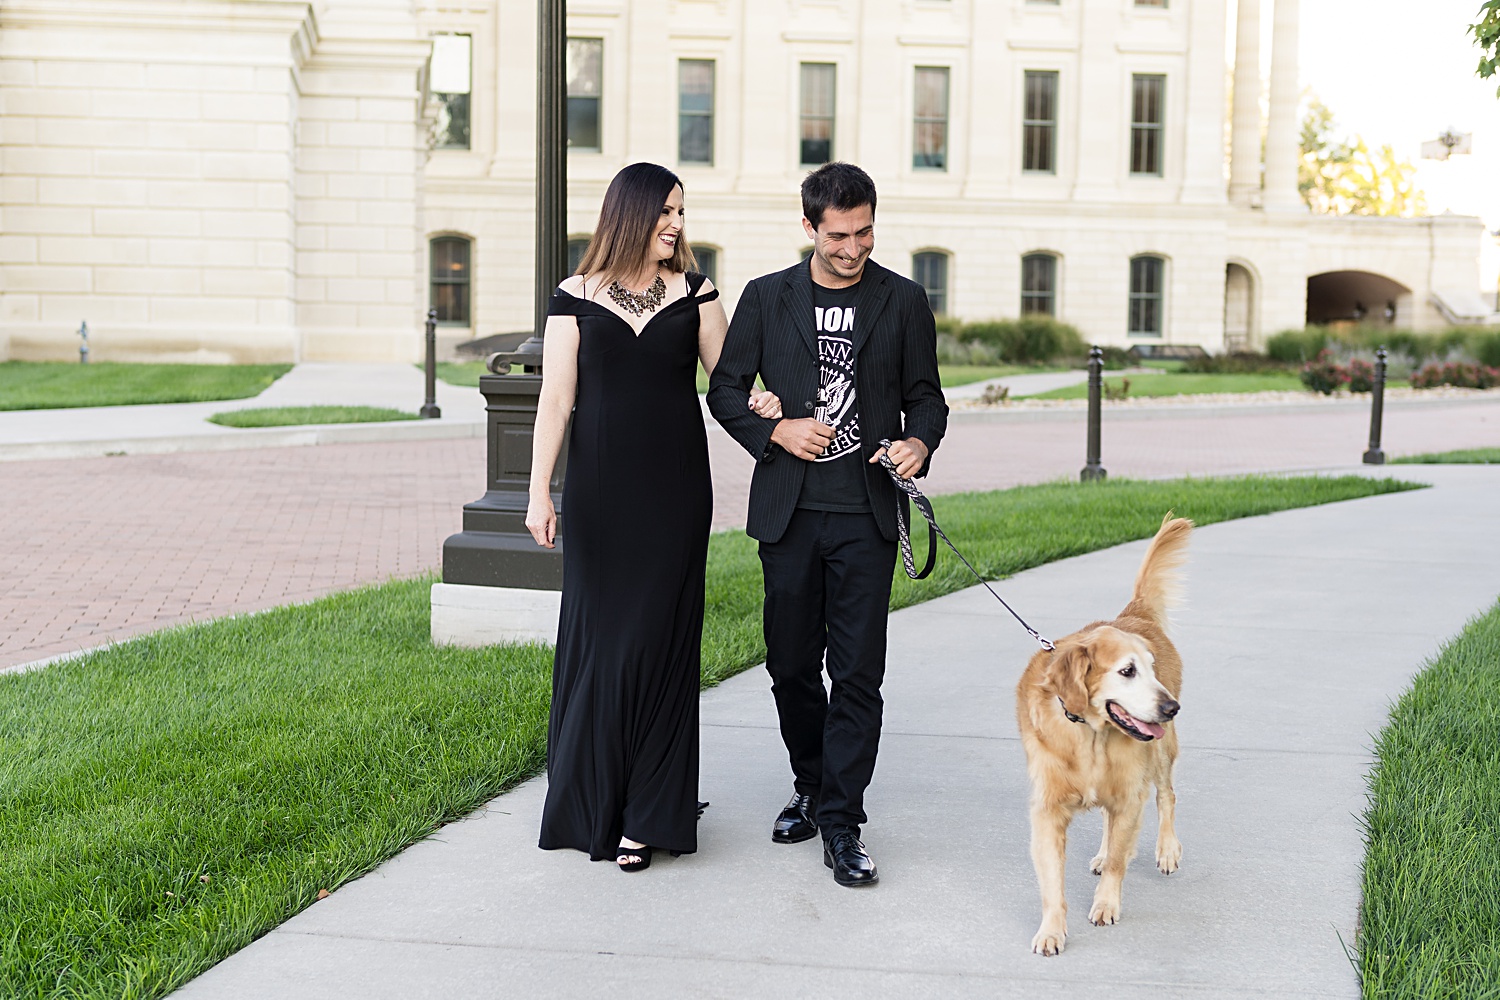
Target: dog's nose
point(1169, 708)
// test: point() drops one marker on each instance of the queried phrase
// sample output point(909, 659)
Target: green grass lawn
point(1470, 456)
point(467, 373)
point(38, 385)
point(1430, 917)
point(295, 416)
point(1185, 384)
point(167, 800)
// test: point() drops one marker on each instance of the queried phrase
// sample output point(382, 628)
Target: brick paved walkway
point(100, 549)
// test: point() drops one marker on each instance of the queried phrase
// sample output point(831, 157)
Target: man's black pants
point(828, 587)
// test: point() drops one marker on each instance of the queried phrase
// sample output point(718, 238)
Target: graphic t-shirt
point(836, 480)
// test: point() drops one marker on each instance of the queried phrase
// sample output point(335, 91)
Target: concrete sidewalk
point(1299, 630)
point(165, 428)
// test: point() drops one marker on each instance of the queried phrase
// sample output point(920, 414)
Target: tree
point(1487, 36)
point(1346, 177)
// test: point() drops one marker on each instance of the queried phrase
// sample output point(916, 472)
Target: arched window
point(930, 270)
point(450, 279)
point(1039, 284)
point(577, 247)
point(708, 261)
point(1147, 286)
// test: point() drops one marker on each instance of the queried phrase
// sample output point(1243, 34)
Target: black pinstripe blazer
point(896, 376)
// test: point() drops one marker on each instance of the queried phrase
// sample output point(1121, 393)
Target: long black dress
point(622, 741)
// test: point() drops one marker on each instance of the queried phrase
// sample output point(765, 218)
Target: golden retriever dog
point(1096, 720)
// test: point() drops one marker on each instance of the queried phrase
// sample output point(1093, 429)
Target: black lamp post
point(495, 549)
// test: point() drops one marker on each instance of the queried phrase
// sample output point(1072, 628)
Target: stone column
point(1244, 162)
point(1282, 126)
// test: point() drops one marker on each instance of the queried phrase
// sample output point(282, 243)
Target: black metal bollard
point(430, 408)
point(1377, 410)
point(83, 348)
point(1093, 470)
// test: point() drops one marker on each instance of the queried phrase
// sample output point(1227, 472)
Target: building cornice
point(270, 16)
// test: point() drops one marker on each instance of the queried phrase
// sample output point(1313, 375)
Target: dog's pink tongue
point(1149, 728)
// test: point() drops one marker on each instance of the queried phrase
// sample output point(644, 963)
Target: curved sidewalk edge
point(1299, 630)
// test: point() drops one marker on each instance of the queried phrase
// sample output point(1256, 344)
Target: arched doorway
point(1239, 308)
point(1360, 297)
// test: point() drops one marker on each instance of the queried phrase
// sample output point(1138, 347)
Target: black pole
point(429, 408)
point(551, 160)
point(1377, 410)
point(1093, 470)
point(83, 348)
point(495, 549)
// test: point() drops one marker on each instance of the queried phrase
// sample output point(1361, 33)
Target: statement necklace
point(636, 303)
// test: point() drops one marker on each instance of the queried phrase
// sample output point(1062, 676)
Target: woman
point(624, 337)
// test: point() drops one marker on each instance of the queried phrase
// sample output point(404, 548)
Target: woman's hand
point(541, 521)
point(766, 404)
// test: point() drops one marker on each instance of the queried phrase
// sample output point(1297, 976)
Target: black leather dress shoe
point(850, 862)
point(797, 821)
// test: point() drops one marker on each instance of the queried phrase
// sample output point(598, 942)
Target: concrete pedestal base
point(465, 615)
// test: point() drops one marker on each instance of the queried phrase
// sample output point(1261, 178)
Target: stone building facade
point(283, 179)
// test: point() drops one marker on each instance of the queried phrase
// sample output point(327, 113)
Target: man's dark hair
point(837, 185)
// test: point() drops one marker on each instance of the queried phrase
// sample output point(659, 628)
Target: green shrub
point(951, 325)
point(1116, 358)
point(1297, 347)
point(1029, 340)
point(1485, 346)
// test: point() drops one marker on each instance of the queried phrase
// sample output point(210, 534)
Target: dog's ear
point(1067, 675)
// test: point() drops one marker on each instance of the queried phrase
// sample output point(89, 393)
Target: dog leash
point(933, 533)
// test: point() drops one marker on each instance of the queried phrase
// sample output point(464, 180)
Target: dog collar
point(1070, 715)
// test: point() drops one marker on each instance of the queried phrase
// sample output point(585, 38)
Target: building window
point(450, 280)
point(695, 111)
point(1039, 284)
point(450, 84)
point(577, 247)
point(708, 261)
point(1039, 128)
point(1147, 112)
point(930, 270)
point(805, 253)
point(1146, 296)
point(585, 84)
point(1152, 3)
point(817, 113)
point(930, 148)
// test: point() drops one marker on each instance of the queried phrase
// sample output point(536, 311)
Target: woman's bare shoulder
point(573, 285)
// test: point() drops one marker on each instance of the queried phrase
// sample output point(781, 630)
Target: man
point(850, 348)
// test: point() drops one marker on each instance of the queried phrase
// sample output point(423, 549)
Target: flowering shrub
point(1463, 374)
point(1361, 375)
point(1323, 374)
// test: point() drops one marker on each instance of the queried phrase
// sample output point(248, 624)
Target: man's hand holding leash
point(908, 455)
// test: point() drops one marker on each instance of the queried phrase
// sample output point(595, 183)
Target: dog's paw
point(1050, 939)
point(1169, 855)
point(1105, 911)
point(1097, 864)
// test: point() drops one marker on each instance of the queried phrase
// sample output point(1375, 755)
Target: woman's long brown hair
point(621, 244)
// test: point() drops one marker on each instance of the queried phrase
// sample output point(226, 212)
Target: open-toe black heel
point(644, 853)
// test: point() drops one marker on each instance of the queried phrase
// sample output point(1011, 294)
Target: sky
point(1400, 72)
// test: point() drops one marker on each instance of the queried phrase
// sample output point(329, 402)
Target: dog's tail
point(1157, 583)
